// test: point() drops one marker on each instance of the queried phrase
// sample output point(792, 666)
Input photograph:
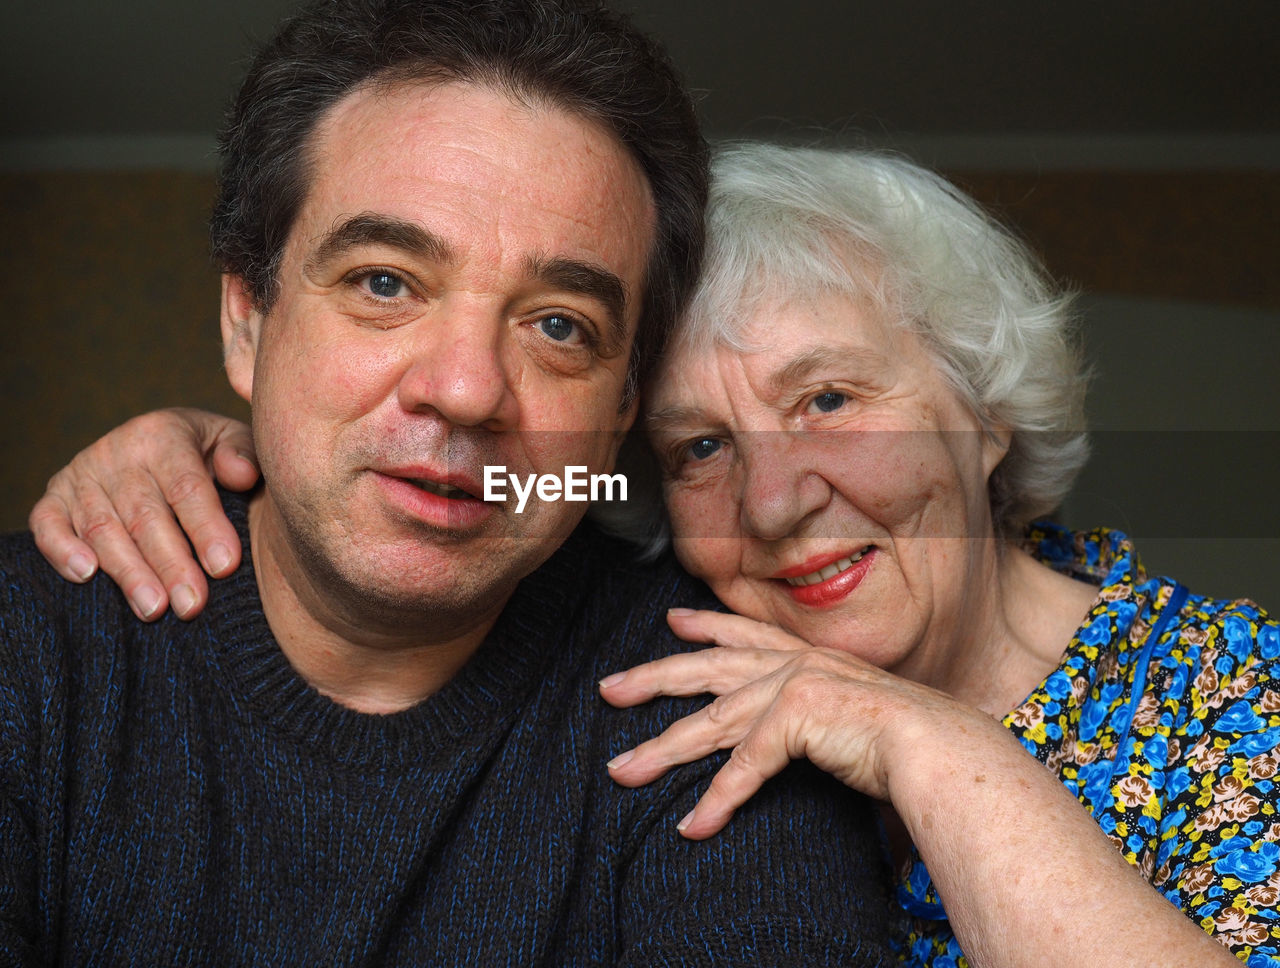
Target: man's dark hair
point(575, 55)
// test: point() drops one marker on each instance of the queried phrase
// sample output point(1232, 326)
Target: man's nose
point(778, 488)
point(458, 367)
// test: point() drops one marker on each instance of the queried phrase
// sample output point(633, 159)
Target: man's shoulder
point(37, 608)
point(48, 623)
point(28, 583)
point(614, 565)
point(627, 596)
point(18, 553)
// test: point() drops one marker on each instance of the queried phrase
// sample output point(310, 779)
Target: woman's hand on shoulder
point(124, 503)
point(778, 699)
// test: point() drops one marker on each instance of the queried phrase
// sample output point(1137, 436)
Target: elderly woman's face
point(830, 482)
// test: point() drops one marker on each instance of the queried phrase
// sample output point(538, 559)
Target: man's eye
point(829, 401)
point(559, 328)
point(384, 285)
point(703, 447)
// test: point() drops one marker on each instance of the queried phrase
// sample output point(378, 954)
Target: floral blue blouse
point(1181, 772)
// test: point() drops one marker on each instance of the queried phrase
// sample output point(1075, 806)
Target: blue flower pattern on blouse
point(1181, 773)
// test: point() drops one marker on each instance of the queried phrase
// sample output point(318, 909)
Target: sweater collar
point(472, 708)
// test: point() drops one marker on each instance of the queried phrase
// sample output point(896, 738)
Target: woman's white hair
point(905, 241)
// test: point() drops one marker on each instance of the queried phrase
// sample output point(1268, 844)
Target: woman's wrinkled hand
point(123, 504)
point(778, 699)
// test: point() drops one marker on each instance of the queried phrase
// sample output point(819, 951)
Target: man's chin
point(382, 572)
point(368, 600)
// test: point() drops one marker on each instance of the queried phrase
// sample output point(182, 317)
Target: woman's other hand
point(124, 503)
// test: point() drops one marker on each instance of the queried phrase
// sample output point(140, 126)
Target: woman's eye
point(384, 285)
point(559, 328)
point(829, 401)
point(703, 447)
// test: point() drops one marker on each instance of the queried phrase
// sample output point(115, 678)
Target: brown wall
point(1202, 236)
point(110, 309)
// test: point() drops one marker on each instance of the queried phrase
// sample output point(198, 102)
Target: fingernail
point(219, 557)
point(679, 612)
point(612, 680)
point(147, 601)
point(688, 818)
point(622, 759)
point(244, 456)
point(183, 599)
point(82, 566)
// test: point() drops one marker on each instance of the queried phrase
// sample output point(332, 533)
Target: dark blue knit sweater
point(174, 794)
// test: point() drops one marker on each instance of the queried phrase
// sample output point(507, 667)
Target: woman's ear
point(241, 323)
point(996, 441)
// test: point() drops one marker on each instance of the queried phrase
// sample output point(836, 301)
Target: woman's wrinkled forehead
point(738, 328)
point(741, 320)
point(777, 341)
point(741, 284)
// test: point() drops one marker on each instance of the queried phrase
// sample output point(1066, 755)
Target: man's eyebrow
point(372, 229)
point(590, 280)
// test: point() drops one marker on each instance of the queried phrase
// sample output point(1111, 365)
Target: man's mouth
point(441, 489)
point(827, 572)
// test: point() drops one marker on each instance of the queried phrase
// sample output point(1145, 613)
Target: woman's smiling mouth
point(827, 572)
point(829, 583)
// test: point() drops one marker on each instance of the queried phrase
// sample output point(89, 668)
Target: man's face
point(460, 288)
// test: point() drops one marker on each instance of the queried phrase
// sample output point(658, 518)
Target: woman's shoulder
point(1231, 651)
point(1148, 607)
point(1150, 653)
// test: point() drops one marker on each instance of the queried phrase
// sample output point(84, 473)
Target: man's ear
point(241, 323)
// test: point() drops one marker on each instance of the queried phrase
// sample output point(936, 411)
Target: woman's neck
point(1014, 637)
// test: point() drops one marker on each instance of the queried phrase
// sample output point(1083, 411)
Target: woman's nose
point(778, 489)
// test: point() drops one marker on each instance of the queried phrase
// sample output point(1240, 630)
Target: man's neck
point(349, 654)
